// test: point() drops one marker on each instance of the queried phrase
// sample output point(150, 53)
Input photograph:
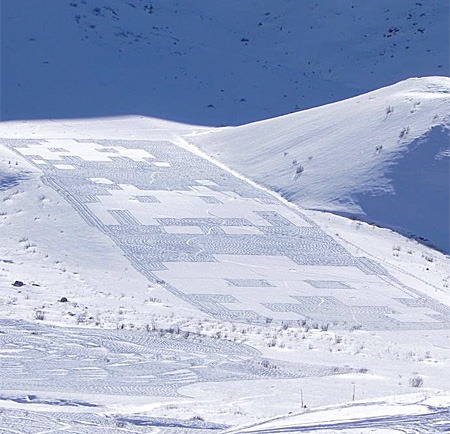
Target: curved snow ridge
point(430, 94)
point(327, 157)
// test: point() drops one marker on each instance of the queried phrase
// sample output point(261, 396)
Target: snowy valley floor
point(147, 288)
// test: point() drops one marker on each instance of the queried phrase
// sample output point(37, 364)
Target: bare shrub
point(325, 327)
point(39, 315)
point(416, 381)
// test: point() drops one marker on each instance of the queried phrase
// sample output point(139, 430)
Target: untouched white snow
point(382, 156)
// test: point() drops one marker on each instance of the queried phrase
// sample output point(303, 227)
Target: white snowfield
point(146, 287)
point(154, 277)
point(370, 156)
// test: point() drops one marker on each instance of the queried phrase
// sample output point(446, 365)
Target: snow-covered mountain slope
point(118, 224)
point(382, 156)
point(210, 62)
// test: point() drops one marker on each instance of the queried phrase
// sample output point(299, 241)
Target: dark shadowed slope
point(419, 204)
point(209, 62)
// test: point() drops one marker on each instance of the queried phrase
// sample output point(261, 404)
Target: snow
point(210, 63)
point(381, 157)
point(389, 416)
point(158, 274)
point(111, 301)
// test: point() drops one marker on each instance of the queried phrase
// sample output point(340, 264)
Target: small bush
point(39, 315)
point(416, 381)
point(265, 364)
point(81, 318)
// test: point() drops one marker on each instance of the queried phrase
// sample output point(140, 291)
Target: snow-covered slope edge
point(394, 414)
point(372, 156)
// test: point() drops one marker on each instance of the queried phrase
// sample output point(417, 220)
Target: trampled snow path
point(24, 422)
point(41, 358)
point(228, 248)
point(73, 367)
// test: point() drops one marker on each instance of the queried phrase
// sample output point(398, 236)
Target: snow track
point(39, 357)
point(414, 418)
point(40, 360)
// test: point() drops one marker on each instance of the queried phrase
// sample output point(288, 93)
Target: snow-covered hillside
point(161, 274)
point(210, 62)
point(145, 286)
point(382, 156)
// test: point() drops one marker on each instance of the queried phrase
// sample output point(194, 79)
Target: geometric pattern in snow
point(327, 284)
point(251, 283)
point(214, 240)
point(331, 310)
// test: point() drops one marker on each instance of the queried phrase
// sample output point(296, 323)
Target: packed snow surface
point(417, 413)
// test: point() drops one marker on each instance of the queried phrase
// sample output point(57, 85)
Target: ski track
point(436, 421)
